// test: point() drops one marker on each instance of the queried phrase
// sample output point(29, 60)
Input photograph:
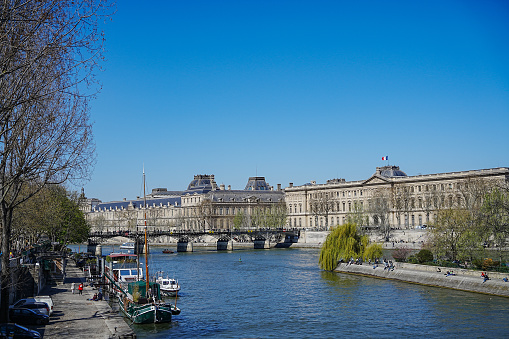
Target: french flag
point(385, 158)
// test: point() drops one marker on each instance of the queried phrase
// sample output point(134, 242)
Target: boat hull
point(146, 313)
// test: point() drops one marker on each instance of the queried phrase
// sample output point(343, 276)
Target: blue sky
point(298, 91)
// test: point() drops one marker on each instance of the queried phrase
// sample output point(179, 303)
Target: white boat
point(127, 246)
point(169, 286)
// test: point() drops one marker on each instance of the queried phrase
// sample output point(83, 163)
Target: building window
point(300, 208)
point(310, 222)
point(343, 207)
point(413, 220)
point(300, 222)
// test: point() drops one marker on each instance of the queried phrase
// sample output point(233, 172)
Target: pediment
point(376, 179)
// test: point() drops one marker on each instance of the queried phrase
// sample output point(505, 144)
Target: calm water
point(282, 292)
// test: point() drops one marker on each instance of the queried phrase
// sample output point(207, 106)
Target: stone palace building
point(203, 206)
point(389, 196)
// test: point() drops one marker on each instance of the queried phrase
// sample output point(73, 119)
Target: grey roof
point(257, 184)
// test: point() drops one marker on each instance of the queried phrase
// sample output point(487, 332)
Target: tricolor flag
point(385, 158)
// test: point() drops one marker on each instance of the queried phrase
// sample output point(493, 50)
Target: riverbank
point(463, 279)
point(76, 316)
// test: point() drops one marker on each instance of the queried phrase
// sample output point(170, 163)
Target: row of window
point(320, 222)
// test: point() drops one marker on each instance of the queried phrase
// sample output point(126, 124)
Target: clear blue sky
point(298, 91)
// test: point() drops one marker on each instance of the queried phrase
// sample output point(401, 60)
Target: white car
point(40, 298)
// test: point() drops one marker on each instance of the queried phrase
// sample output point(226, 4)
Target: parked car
point(16, 331)
point(40, 298)
point(39, 307)
point(27, 316)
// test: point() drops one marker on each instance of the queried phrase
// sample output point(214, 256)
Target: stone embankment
point(463, 279)
point(76, 316)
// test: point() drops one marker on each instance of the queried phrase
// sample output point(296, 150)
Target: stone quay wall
point(463, 279)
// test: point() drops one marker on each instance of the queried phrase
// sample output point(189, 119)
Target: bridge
point(261, 238)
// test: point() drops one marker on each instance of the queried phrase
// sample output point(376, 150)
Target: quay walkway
point(74, 316)
point(461, 279)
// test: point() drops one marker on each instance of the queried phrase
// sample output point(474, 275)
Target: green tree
point(343, 242)
point(495, 216)
point(71, 226)
point(52, 211)
point(452, 233)
point(239, 220)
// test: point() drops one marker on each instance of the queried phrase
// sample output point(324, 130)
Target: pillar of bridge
point(139, 246)
point(261, 244)
point(225, 245)
point(184, 246)
point(91, 247)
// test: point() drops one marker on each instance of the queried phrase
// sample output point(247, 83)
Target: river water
point(280, 293)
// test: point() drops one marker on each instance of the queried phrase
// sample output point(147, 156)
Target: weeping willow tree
point(342, 243)
point(373, 251)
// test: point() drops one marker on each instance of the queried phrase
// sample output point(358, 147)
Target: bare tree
point(49, 51)
point(379, 208)
point(321, 205)
point(204, 213)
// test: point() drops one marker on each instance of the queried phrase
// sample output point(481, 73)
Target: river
point(281, 293)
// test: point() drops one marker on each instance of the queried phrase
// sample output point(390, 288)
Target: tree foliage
point(343, 242)
point(54, 212)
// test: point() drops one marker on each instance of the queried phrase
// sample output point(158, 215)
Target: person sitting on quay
point(449, 273)
point(485, 276)
point(505, 279)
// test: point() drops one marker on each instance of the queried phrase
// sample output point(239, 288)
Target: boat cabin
point(123, 267)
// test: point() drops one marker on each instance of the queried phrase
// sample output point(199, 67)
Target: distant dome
point(390, 171)
point(202, 183)
point(257, 184)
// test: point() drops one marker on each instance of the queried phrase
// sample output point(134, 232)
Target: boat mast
point(146, 247)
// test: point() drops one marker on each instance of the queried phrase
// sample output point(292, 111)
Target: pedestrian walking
point(80, 289)
point(73, 287)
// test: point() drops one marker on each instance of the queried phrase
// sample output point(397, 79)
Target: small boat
point(168, 286)
point(127, 246)
point(168, 251)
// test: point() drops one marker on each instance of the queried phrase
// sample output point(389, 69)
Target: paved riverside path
point(76, 317)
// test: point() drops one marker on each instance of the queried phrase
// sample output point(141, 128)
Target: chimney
point(279, 187)
point(291, 184)
point(124, 199)
point(229, 187)
point(221, 187)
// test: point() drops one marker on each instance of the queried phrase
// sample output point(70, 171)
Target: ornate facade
point(203, 206)
point(388, 195)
